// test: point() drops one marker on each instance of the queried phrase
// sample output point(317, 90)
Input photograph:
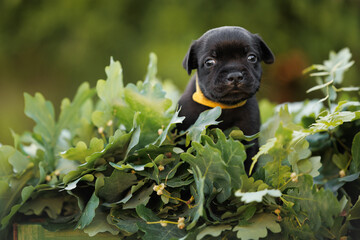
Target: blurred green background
point(53, 46)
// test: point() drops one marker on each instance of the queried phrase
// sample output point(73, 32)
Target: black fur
point(234, 77)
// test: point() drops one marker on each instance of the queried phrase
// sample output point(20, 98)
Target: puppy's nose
point(235, 77)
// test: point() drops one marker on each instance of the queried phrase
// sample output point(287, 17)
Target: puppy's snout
point(235, 77)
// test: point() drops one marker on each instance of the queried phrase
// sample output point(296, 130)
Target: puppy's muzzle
point(235, 77)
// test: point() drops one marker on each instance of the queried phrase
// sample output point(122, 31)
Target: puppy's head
point(227, 60)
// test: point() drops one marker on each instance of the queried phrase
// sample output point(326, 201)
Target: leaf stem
point(169, 139)
point(299, 175)
point(332, 234)
point(162, 222)
point(298, 221)
point(179, 199)
point(328, 99)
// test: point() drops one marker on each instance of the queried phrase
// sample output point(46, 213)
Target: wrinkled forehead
point(228, 41)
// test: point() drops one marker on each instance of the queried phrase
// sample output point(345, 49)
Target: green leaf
point(331, 120)
point(340, 160)
point(99, 183)
point(354, 212)
point(355, 152)
point(115, 185)
point(13, 187)
point(137, 168)
point(146, 214)
point(338, 63)
point(19, 162)
point(70, 114)
point(212, 167)
point(81, 151)
point(73, 175)
point(237, 134)
point(152, 231)
point(101, 118)
point(4, 190)
point(51, 205)
point(204, 120)
point(214, 231)
point(299, 150)
point(88, 213)
point(250, 185)
point(198, 211)
point(284, 136)
point(174, 120)
point(283, 116)
point(100, 224)
point(276, 174)
point(146, 100)
point(319, 74)
point(112, 95)
point(111, 91)
point(25, 195)
point(42, 112)
point(149, 100)
point(6, 169)
point(310, 166)
point(156, 232)
point(152, 111)
point(248, 197)
point(320, 206)
point(299, 156)
point(141, 197)
point(117, 143)
point(249, 212)
point(117, 146)
point(258, 228)
point(179, 182)
point(314, 67)
point(348, 89)
point(124, 222)
point(233, 154)
point(317, 87)
point(264, 149)
point(334, 119)
point(86, 177)
point(151, 86)
point(135, 138)
point(84, 129)
point(349, 178)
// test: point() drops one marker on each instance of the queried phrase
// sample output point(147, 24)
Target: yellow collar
point(199, 97)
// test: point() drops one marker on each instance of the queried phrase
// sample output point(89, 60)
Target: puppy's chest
point(232, 117)
point(248, 120)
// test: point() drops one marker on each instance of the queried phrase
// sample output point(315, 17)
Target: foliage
point(59, 44)
point(114, 162)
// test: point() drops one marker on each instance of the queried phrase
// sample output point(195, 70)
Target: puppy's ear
point(266, 55)
point(190, 60)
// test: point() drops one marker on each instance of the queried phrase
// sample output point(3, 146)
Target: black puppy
point(228, 75)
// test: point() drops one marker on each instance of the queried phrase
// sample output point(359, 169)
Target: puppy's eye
point(210, 62)
point(252, 58)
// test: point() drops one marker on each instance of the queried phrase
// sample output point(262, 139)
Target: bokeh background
point(53, 46)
